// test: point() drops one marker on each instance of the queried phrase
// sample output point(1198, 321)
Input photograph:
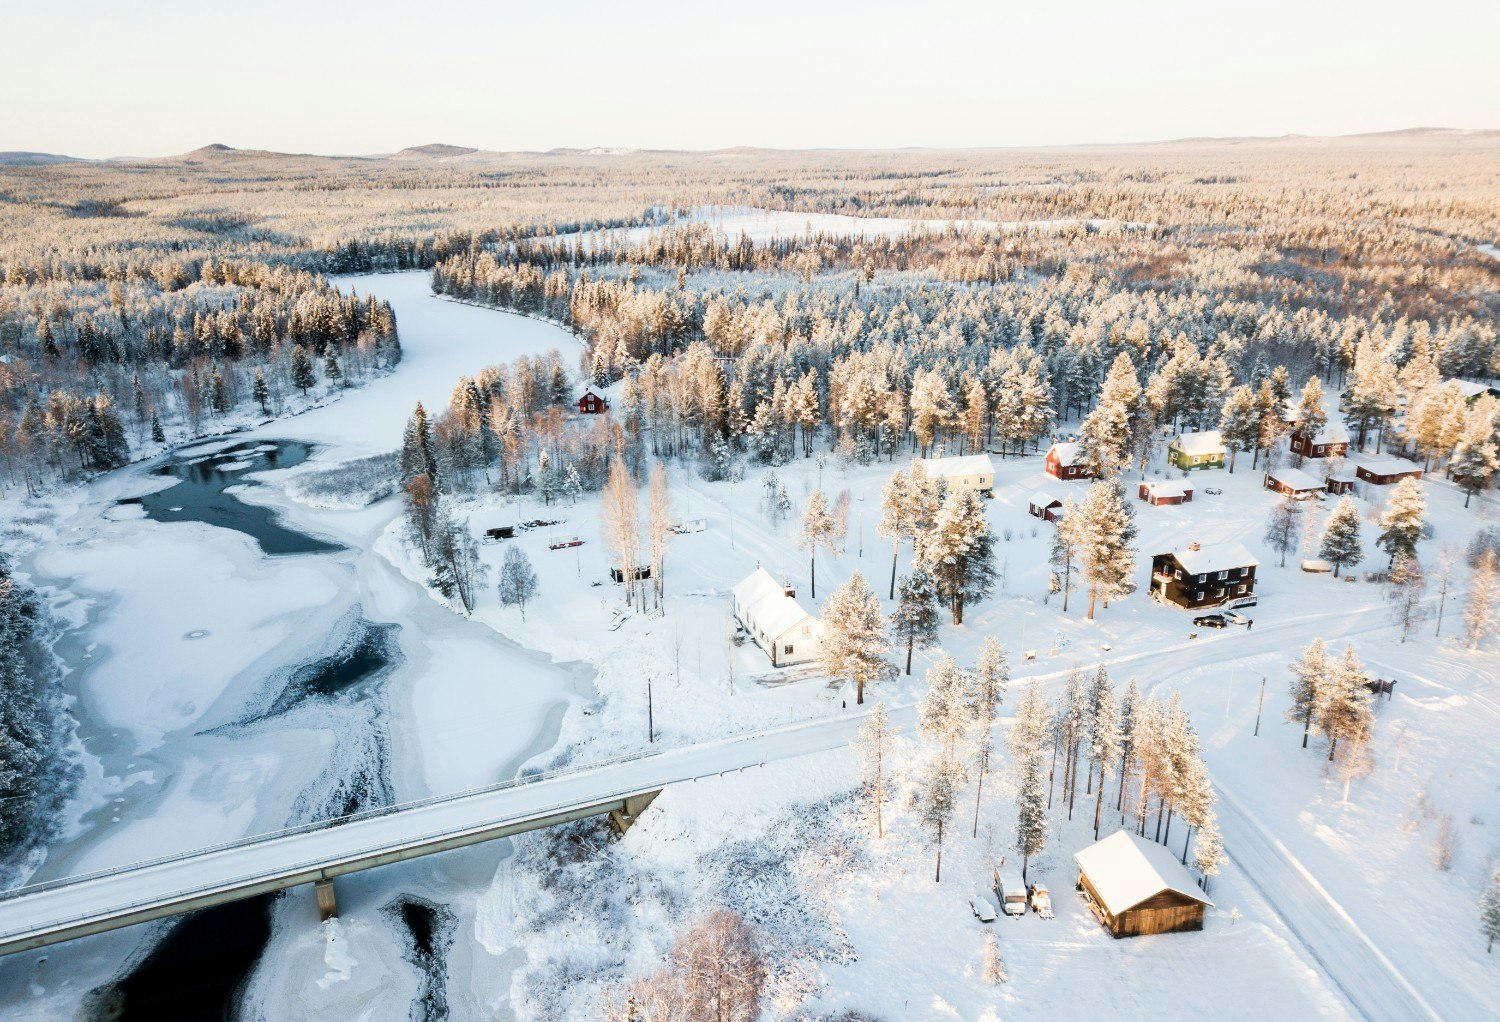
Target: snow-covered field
point(184, 624)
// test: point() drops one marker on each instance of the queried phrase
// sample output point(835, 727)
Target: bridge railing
point(330, 822)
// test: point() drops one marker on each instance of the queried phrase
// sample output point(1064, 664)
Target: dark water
point(199, 495)
point(196, 973)
point(367, 650)
point(430, 928)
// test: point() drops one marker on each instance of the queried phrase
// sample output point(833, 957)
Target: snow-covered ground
point(477, 698)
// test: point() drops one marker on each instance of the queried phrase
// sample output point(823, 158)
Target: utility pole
point(1258, 706)
point(650, 715)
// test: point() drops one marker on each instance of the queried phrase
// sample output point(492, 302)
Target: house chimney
point(1194, 547)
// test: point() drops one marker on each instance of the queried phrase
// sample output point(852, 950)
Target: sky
point(102, 78)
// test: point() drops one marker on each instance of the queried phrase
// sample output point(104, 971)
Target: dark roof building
point(1204, 576)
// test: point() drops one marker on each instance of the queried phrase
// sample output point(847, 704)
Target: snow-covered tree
point(1341, 536)
point(1131, 706)
point(1310, 414)
point(944, 716)
point(958, 552)
point(1403, 519)
point(1284, 527)
point(1310, 674)
point(818, 529)
point(518, 581)
point(1489, 912)
point(986, 691)
point(619, 521)
point(1239, 426)
point(1208, 856)
point(1484, 590)
point(1103, 735)
point(992, 966)
point(939, 796)
point(1031, 812)
point(1343, 712)
point(1405, 587)
point(1476, 458)
point(1064, 556)
point(854, 643)
point(1104, 529)
point(896, 506)
point(417, 453)
point(873, 741)
point(915, 619)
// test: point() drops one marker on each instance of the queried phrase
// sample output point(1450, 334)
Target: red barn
point(592, 404)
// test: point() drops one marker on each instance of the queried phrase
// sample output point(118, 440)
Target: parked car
point(564, 544)
point(1236, 618)
point(982, 909)
point(1213, 491)
point(1011, 890)
point(1211, 621)
point(1041, 901)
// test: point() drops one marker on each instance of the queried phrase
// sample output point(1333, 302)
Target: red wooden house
point(1062, 462)
point(1164, 492)
point(592, 404)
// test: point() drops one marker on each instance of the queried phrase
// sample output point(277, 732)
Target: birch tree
point(619, 522)
point(659, 527)
point(1479, 614)
point(985, 693)
point(873, 741)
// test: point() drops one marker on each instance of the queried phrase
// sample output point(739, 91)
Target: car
point(1211, 621)
point(1234, 617)
point(982, 909)
point(1212, 491)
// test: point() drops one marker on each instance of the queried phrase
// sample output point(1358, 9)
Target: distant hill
point(18, 159)
point(432, 151)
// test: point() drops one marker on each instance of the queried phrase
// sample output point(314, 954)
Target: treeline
point(36, 776)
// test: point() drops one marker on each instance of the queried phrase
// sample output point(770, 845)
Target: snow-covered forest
point(785, 351)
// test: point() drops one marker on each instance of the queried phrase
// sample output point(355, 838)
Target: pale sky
point(157, 77)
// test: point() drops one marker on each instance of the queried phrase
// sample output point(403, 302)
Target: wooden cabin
point(1384, 473)
point(590, 403)
point(1193, 451)
point(1332, 441)
point(1135, 886)
point(1045, 506)
point(965, 472)
point(1220, 575)
point(1165, 492)
point(1294, 483)
point(1340, 484)
point(1062, 462)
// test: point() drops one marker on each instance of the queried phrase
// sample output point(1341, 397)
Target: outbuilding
point(1160, 492)
point(1062, 462)
point(1045, 506)
point(1195, 576)
point(1135, 887)
point(1332, 441)
point(965, 472)
point(1295, 483)
point(1340, 484)
point(770, 614)
point(1384, 473)
point(1192, 451)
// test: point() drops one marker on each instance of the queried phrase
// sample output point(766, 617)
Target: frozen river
point(185, 627)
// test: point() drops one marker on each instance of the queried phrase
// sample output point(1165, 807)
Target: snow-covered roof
point(1125, 869)
point(1168, 488)
point(1296, 479)
point(1333, 432)
point(766, 603)
point(1041, 498)
point(958, 465)
point(1214, 557)
point(1200, 443)
point(1392, 467)
point(1067, 453)
point(1470, 389)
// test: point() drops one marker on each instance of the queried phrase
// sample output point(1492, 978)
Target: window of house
point(1223, 575)
point(1177, 574)
point(1198, 595)
point(1202, 579)
point(1242, 590)
point(807, 629)
point(786, 651)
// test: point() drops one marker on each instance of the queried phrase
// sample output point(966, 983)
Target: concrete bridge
point(48, 913)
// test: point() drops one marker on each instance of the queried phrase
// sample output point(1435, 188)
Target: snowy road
point(1362, 972)
point(35, 916)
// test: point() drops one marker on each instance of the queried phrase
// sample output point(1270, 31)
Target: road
point(32, 916)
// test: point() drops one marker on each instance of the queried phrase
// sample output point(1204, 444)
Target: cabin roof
point(957, 465)
point(1067, 453)
point(1168, 488)
point(1125, 869)
point(1392, 467)
point(1209, 442)
point(766, 602)
point(1296, 479)
point(1214, 557)
point(1043, 499)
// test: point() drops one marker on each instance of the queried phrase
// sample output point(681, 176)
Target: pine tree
point(1484, 588)
point(958, 551)
point(895, 518)
point(1209, 856)
point(985, 693)
point(854, 635)
point(1310, 675)
point(1341, 539)
point(939, 797)
point(817, 530)
point(915, 619)
point(261, 393)
point(944, 716)
point(1031, 813)
point(1475, 458)
point(1489, 912)
point(518, 581)
point(1104, 529)
point(1343, 711)
point(1239, 426)
point(1284, 528)
point(1402, 521)
point(873, 741)
point(1131, 707)
point(1103, 735)
point(417, 457)
point(158, 435)
point(302, 370)
point(1064, 556)
point(1310, 414)
point(331, 370)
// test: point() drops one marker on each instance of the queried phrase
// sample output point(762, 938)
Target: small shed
point(1062, 462)
point(1340, 484)
point(1384, 473)
point(1135, 887)
point(1160, 492)
point(639, 574)
point(590, 403)
point(1295, 483)
point(499, 532)
point(1045, 506)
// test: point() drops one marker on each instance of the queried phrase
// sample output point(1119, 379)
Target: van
point(1011, 890)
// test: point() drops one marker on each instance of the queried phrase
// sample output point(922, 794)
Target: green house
point(1191, 451)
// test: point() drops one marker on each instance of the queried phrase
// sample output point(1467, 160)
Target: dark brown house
point(592, 404)
point(1332, 441)
point(1135, 886)
point(1165, 492)
point(1384, 473)
point(1340, 484)
point(1221, 575)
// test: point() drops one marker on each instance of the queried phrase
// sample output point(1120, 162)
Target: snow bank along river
point(242, 661)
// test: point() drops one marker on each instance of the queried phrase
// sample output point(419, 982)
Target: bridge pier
point(635, 805)
point(328, 906)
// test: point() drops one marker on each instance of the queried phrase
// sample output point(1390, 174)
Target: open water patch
point(429, 929)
